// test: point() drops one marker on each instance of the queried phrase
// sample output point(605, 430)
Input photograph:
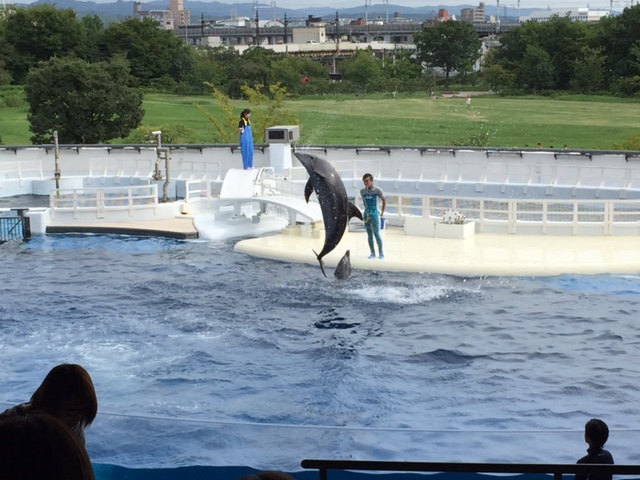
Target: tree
point(362, 69)
point(152, 53)
point(93, 29)
point(496, 78)
point(588, 71)
point(85, 102)
point(291, 71)
point(207, 71)
point(537, 69)
point(254, 68)
point(267, 110)
point(39, 33)
point(406, 73)
point(564, 41)
point(617, 37)
point(451, 46)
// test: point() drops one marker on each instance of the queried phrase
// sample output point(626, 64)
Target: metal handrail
point(557, 469)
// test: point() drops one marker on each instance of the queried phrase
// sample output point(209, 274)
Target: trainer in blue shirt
point(370, 196)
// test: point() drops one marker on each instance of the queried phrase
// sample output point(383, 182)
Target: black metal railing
point(557, 470)
point(14, 225)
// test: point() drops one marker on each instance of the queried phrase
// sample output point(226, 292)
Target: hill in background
point(121, 9)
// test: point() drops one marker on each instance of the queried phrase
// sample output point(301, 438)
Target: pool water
point(204, 356)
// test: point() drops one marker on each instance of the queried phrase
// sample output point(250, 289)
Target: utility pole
point(286, 40)
point(337, 42)
point(337, 37)
point(257, 20)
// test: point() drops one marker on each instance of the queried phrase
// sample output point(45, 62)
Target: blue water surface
point(202, 356)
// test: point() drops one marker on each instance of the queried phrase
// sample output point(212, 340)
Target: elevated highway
point(394, 33)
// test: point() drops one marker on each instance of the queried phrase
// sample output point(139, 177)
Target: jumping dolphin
point(334, 203)
point(343, 269)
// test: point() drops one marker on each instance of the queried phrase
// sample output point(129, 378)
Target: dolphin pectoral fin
point(354, 212)
point(308, 190)
point(321, 263)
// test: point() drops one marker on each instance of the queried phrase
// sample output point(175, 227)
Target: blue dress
point(246, 144)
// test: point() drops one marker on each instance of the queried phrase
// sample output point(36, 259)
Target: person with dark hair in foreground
point(38, 446)
point(596, 434)
point(66, 393)
point(269, 475)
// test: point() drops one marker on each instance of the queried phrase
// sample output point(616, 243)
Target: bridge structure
point(391, 33)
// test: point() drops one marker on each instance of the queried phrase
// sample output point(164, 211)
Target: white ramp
point(243, 186)
point(240, 183)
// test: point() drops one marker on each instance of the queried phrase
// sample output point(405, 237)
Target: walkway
point(178, 227)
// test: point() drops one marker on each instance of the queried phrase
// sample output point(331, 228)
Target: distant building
point(398, 18)
point(241, 22)
point(473, 15)
point(163, 17)
point(582, 14)
point(309, 34)
point(172, 19)
point(443, 16)
point(181, 16)
point(313, 21)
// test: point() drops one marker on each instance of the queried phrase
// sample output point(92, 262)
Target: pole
point(157, 175)
point(257, 28)
point(337, 38)
point(57, 160)
point(165, 187)
point(286, 41)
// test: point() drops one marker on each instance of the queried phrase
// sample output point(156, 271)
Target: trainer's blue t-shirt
point(370, 198)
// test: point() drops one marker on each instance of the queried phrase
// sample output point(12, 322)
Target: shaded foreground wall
point(111, 472)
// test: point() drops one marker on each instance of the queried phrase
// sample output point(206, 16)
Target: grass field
point(587, 123)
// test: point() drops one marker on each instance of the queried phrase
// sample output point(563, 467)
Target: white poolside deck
point(479, 255)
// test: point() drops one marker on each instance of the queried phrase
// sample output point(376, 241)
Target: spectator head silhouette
point(67, 393)
point(38, 446)
point(596, 433)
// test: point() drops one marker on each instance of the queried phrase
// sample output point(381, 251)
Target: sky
point(541, 4)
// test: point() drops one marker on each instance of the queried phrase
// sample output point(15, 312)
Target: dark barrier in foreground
point(517, 468)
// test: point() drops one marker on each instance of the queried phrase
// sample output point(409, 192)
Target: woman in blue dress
point(246, 139)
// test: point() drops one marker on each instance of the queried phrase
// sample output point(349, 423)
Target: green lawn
point(579, 122)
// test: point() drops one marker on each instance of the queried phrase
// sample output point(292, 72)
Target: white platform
point(479, 255)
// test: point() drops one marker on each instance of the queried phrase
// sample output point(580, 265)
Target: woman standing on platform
point(246, 139)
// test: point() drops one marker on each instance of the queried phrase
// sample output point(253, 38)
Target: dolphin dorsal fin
point(308, 190)
point(354, 212)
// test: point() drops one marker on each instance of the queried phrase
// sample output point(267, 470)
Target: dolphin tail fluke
point(320, 262)
point(354, 212)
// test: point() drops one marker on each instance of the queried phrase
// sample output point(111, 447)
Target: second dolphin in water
point(343, 269)
point(333, 199)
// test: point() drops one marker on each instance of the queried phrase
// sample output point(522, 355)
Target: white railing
point(568, 217)
point(103, 200)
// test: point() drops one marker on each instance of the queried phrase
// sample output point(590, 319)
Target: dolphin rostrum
point(334, 203)
point(343, 269)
